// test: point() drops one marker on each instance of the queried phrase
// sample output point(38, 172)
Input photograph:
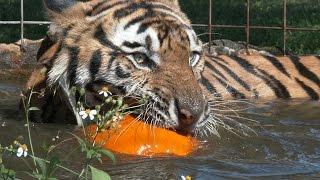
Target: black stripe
point(131, 44)
point(139, 19)
point(215, 70)
point(234, 93)
point(278, 88)
point(133, 7)
point(313, 95)
point(100, 35)
point(144, 26)
point(148, 16)
point(214, 59)
point(205, 82)
point(103, 7)
point(46, 43)
point(111, 60)
point(66, 30)
point(120, 73)
point(130, 9)
point(95, 63)
point(163, 36)
point(277, 64)
point(73, 64)
point(304, 71)
point(234, 76)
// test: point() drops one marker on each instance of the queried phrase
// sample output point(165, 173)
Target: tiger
point(149, 48)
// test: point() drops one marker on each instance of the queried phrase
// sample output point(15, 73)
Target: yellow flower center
point(105, 89)
point(88, 111)
point(24, 147)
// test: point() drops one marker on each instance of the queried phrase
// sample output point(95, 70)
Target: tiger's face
point(144, 48)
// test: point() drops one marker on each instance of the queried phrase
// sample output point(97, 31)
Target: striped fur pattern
point(262, 76)
point(143, 48)
point(148, 48)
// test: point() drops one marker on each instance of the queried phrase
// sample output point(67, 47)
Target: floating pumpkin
point(138, 138)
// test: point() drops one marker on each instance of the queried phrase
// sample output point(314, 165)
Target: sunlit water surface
point(287, 145)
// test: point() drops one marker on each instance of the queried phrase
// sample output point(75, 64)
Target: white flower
point(186, 177)
point(105, 91)
point(88, 112)
point(22, 150)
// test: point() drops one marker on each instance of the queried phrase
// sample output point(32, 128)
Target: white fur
point(173, 115)
point(194, 46)
point(59, 68)
point(83, 75)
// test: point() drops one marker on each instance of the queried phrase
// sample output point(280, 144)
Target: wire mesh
point(211, 26)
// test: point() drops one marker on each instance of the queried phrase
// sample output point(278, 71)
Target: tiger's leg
point(52, 103)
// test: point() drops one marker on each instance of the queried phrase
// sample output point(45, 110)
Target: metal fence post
point(21, 26)
point(210, 24)
point(284, 27)
point(248, 27)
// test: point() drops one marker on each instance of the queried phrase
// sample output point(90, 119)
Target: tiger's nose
point(186, 117)
point(187, 121)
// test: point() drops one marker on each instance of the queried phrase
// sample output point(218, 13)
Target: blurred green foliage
point(301, 13)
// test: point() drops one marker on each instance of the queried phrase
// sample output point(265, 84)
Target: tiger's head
point(143, 47)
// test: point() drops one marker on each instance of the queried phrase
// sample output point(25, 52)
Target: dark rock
point(17, 61)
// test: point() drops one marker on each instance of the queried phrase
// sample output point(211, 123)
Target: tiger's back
point(262, 76)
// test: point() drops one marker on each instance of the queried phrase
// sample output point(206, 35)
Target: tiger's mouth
point(168, 115)
point(150, 107)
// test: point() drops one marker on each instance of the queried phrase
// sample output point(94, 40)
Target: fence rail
point(285, 28)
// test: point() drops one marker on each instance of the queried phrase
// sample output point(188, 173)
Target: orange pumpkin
point(137, 138)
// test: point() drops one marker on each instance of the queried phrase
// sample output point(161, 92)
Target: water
point(287, 146)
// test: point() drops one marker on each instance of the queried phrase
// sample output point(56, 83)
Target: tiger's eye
point(139, 58)
point(194, 58)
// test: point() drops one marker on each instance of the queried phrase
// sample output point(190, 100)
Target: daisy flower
point(88, 112)
point(186, 178)
point(105, 91)
point(22, 150)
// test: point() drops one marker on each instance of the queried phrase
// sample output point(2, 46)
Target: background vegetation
point(301, 13)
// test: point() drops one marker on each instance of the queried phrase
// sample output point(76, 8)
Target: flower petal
point(19, 152)
point(81, 113)
point(84, 116)
point(91, 117)
point(25, 153)
point(93, 112)
point(101, 92)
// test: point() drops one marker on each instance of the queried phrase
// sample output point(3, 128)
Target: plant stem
point(26, 107)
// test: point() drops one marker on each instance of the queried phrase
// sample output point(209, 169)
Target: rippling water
point(287, 145)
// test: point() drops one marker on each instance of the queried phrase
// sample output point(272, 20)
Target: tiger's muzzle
point(190, 105)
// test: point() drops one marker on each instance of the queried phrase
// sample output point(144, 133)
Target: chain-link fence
point(210, 26)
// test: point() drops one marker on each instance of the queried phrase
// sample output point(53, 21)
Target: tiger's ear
point(58, 6)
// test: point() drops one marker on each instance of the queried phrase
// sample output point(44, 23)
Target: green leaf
point(81, 142)
point(108, 154)
point(34, 109)
point(53, 165)
point(42, 165)
point(98, 174)
point(120, 102)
